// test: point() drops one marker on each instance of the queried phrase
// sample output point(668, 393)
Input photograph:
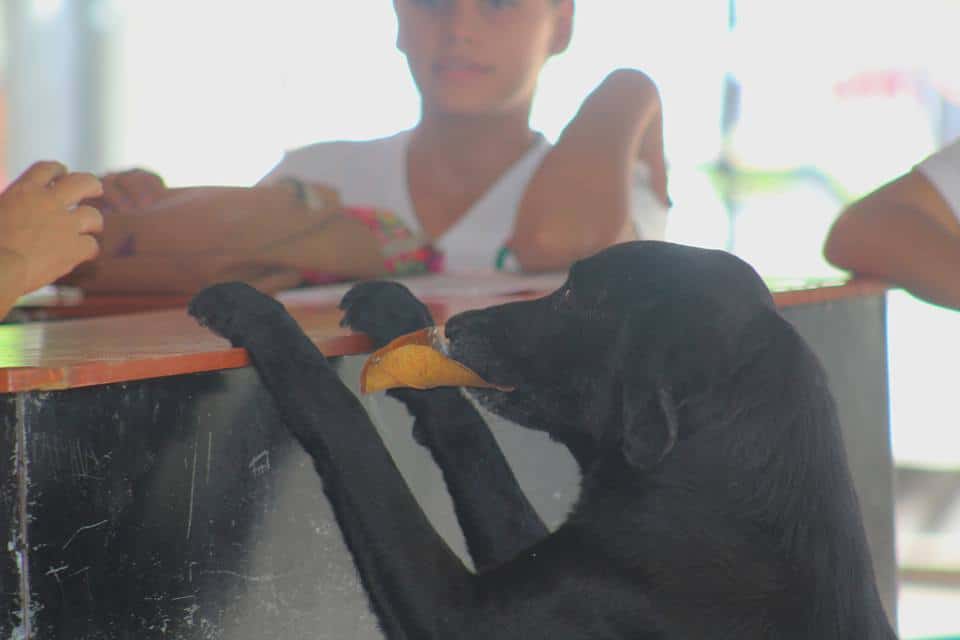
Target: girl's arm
point(266, 235)
point(578, 202)
point(904, 232)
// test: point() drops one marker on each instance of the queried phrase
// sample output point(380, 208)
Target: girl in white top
point(942, 169)
point(472, 178)
point(374, 174)
point(907, 231)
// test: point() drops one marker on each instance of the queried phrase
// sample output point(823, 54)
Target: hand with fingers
point(44, 230)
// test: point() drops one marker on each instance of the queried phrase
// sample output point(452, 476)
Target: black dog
point(715, 501)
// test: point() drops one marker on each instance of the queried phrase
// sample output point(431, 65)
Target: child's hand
point(44, 232)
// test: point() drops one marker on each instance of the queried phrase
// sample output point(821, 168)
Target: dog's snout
point(463, 324)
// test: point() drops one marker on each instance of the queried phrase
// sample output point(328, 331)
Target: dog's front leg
point(496, 518)
point(494, 514)
point(416, 583)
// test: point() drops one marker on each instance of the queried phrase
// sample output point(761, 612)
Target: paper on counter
point(476, 284)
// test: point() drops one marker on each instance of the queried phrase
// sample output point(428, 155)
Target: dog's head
point(613, 360)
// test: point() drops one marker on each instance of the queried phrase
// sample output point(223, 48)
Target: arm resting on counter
point(906, 233)
point(264, 235)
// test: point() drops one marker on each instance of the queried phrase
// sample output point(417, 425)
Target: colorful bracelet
point(405, 253)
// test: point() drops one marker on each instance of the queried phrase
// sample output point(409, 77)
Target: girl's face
point(480, 56)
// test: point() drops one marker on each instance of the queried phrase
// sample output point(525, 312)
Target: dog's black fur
point(715, 502)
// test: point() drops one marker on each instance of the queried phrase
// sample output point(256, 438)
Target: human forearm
point(275, 223)
point(579, 200)
point(265, 235)
point(904, 232)
point(901, 245)
point(344, 248)
point(13, 273)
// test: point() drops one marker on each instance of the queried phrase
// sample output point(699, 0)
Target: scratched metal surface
point(180, 508)
point(177, 508)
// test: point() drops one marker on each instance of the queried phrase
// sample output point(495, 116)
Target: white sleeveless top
point(373, 173)
point(943, 170)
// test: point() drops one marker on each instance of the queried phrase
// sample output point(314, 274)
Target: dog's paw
point(236, 311)
point(383, 310)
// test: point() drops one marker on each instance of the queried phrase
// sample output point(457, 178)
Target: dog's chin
point(487, 365)
point(516, 406)
point(494, 401)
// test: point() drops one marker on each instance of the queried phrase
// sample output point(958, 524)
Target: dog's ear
point(650, 425)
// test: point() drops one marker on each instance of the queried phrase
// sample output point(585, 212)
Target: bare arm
point(578, 202)
point(13, 270)
point(904, 232)
point(187, 238)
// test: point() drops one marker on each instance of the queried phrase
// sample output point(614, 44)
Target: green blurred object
point(743, 182)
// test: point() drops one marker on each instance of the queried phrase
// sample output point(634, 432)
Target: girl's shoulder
point(340, 151)
point(338, 160)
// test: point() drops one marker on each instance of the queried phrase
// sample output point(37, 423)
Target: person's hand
point(131, 189)
point(44, 230)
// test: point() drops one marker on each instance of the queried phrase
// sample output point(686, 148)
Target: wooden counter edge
point(856, 288)
point(22, 379)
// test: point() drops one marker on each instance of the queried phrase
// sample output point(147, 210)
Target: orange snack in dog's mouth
point(416, 360)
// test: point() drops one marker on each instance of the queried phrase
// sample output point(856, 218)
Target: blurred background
point(776, 114)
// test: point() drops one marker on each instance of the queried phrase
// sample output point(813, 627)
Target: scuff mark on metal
point(193, 483)
point(209, 453)
point(266, 579)
point(56, 571)
point(260, 464)
point(20, 543)
point(82, 529)
point(78, 572)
